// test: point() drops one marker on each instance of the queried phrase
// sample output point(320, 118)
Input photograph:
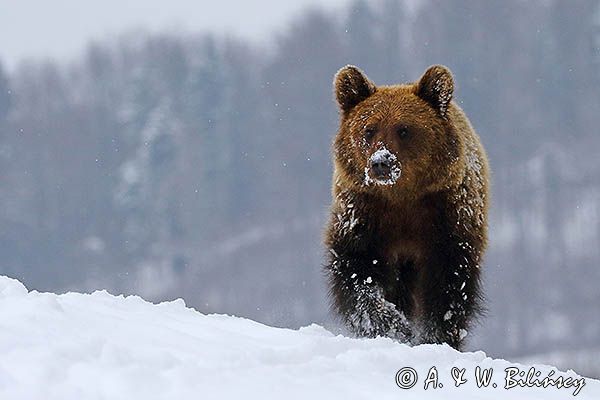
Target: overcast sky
point(60, 28)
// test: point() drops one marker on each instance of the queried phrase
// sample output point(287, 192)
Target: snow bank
point(99, 346)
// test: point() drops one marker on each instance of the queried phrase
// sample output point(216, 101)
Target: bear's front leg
point(356, 286)
point(452, 294)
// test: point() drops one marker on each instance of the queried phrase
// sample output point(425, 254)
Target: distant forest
point(199, 166)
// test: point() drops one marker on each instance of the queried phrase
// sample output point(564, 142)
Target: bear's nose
point(381, 166)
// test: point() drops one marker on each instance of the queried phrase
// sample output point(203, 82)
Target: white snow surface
point(100, 346)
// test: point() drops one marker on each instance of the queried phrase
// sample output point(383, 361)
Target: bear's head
point(401, 140)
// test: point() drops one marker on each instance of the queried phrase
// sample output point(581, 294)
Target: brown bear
point(408, 223)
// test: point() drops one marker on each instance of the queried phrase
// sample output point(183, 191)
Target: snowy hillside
point(99, 346)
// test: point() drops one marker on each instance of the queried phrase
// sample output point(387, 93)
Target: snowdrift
point(100, 346)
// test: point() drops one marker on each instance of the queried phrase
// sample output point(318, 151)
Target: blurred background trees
point(198, 166)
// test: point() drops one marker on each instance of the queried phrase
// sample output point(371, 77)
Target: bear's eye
point(369, 132)
point(402, 132)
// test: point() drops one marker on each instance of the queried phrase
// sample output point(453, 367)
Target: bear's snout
point(383, 168)
point(381, 164)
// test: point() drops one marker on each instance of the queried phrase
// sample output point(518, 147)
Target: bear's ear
point(436, 87)
point(351, 86)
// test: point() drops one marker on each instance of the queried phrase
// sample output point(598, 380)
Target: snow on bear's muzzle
point(383, 168)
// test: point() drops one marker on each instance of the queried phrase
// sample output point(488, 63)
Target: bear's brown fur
point(408, 223)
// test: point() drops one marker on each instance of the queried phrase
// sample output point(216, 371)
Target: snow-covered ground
point(100, 346)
